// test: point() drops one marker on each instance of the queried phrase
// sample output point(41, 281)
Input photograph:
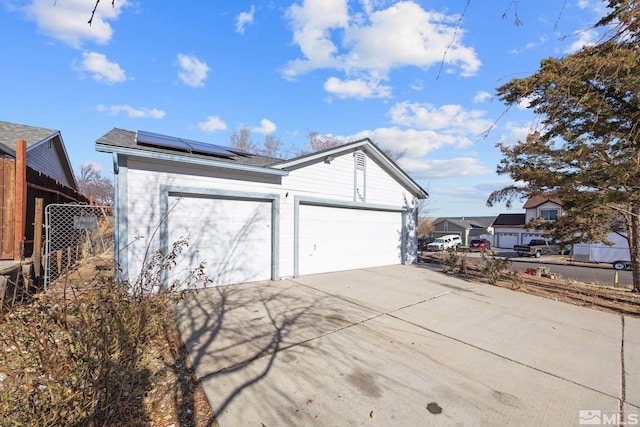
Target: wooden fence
point(38, 185)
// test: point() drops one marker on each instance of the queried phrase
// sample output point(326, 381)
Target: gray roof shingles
point(510, 220)
point(127, 139)
point(9, 132)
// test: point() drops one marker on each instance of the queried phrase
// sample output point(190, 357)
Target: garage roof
point(120, 141)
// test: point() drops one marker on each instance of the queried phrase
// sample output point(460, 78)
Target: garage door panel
point(232, 237)
point(334, 239)
point(507, 240)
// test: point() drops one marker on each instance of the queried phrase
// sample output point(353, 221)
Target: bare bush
point(79, 357)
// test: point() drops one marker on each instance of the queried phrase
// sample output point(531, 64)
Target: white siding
point(324, 180)
point(332, 182)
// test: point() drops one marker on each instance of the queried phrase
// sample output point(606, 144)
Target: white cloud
point(481, 97)
point(212, 124)
point(515, 134)
point(416, 143)
point(584, 38)
point(356, 88)
point(433, 169)
point(417, 85)
point(368, 47)
point(67, 20)
point(244, 19)
point(134, 113)
point(453, 119)
point(266, 127)
point(194, 72)
point(101, 68)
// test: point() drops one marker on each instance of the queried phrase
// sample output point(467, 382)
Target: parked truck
point(537, 248)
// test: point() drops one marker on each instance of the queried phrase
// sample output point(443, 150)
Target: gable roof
point(510, 220)
point(538, 199)
point(120, 141)
point(468, 222)
point(372, 151)
point(36, 137)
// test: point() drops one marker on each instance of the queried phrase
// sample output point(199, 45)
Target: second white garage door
point(233, 237)
point(335, 239)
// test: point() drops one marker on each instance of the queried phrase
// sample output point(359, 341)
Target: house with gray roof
point(248, 217)
point(468, 228)
point(33, 165)
point(46, 152)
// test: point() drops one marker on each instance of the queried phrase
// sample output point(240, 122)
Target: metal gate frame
point(69, 233)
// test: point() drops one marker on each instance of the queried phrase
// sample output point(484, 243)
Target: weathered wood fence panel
point(7, 212)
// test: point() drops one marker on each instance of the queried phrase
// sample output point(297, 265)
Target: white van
point(450, 241)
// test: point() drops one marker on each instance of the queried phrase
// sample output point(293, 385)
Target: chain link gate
point(73, 232)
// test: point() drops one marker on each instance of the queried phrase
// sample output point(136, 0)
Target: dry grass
point(496, 271)
point(92, 351)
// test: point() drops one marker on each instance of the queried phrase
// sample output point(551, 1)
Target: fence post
point(21, 198)
point(37, 240)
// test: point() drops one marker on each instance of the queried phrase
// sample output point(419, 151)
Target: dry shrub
point(456, 262)
point(78, 358)
point(494, 267)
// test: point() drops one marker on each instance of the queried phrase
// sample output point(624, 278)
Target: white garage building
point(255, 218)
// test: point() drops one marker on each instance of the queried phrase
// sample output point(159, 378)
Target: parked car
point(423, 242)
point(479, 245)
point(450, 241)
point(537, 247)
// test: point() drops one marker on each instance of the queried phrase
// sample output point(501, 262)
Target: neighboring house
point(467, 228)
point(550, 209)
point(510, 229)
point(46, 152)
point(33, 164)
point(250, 217)
point(507, 230)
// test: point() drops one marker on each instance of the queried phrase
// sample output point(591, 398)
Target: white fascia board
point(192, 161)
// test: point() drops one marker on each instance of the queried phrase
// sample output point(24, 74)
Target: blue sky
point(411, 75)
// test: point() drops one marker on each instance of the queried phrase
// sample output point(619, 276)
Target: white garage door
point(335, 239)
point(232, 236)
point(507, 240)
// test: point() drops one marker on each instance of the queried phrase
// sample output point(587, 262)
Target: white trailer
point(617, 255)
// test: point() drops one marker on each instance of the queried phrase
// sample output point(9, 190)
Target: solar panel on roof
point(150, 138)
point(201, 147)
point(186, 145)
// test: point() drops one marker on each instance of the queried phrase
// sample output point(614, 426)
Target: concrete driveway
point(408, 346)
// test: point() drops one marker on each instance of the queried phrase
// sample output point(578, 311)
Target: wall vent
point(360, 158)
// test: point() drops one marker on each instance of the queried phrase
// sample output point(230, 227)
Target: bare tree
point(93, 184)
point(241, 140)
point(318, 142)
point(425, 222)
point(272, 146)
